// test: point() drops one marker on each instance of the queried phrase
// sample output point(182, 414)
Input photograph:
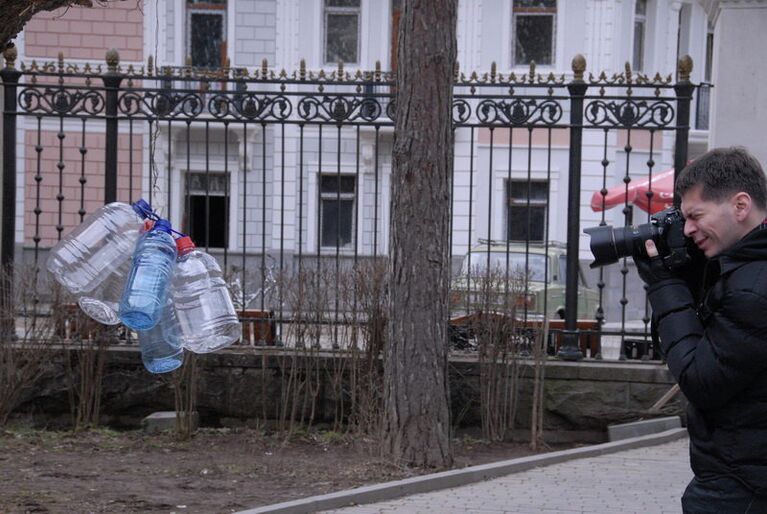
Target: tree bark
point(16, 13)
point(417, 414)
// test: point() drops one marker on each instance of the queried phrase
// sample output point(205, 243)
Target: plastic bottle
point(103, 303)
point(98, 247)
point(146, 288)
point(160, 353)
point(206, 318)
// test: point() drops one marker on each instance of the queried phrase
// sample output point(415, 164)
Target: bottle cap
point(148, 224)
point(142, 208)
point(184, 245)
point(162, 226)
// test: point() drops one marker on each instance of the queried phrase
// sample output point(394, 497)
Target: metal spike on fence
point(684, 67)
point(10, 55)
point(579, 67)
point(112, 59)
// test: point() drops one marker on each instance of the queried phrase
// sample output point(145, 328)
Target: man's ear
point(741, 202)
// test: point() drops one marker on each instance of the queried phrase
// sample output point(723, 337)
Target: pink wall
point(640, 140)
point(559, 137)
point(93, 192)
point(87, 33)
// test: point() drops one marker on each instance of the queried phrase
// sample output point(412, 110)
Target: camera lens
point(610, 244)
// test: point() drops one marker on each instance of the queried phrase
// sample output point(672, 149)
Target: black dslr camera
point(665, 228)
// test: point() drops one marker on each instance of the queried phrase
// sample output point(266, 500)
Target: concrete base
point(644, 427)
point(165, 420)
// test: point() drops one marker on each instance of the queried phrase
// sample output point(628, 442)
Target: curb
point(458, 477)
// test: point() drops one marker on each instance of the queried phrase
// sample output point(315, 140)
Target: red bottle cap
point(148, 224)
point(184, 245)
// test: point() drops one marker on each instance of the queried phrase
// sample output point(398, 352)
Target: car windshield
point(477, 262)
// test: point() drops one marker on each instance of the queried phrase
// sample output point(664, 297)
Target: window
point(708, 70)
point(342, 22)
point(640, 30)
point(208, 208)
point(337, 210)
point(526, 215)
point(533, 31)
point(206, 32)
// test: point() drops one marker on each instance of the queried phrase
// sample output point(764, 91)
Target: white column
point(739, 103)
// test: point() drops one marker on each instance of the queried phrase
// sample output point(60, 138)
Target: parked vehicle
point(525, 280)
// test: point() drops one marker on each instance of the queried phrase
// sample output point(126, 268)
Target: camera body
point(666, 229)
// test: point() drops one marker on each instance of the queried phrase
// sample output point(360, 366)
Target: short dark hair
point(721, 173)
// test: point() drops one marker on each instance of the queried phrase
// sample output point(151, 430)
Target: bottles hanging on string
point(123, 264)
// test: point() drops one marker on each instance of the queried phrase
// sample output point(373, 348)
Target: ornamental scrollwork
point(61, 101)
point(461, 111)
point(339, 109)
point(250, 107)
point(519, 112)
point(162, 104)
point(630, 113)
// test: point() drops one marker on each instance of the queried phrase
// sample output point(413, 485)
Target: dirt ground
point(218, 471)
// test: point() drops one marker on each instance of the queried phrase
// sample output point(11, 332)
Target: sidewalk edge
point(458, 477)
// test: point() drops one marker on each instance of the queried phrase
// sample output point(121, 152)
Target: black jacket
point(718, 353)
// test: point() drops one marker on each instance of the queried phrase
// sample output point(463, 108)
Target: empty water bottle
point(207, 320)
point(146, 288)
point(96, 250)
point(160, 353)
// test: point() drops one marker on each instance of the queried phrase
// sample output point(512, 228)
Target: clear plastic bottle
point(146, 288)
point(96, 248)
point(160, 353)
point(206, 318)
point(103, 303)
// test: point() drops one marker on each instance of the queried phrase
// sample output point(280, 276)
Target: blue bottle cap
point(163, 226)
point(142, 208)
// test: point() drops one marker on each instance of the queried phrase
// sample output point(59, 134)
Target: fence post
point(683, 89)
point(570, 349)
point(112, 79)
point(10, 76)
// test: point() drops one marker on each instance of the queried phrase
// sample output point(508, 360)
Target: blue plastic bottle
point(160, 353)
point(146, 288)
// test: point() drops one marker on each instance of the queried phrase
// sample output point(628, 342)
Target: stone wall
point(244, 387)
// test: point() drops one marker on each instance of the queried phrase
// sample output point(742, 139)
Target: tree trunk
point(417, 415)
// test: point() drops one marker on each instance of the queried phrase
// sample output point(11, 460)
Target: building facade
point(325, 191)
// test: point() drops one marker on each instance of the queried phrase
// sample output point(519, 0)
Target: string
point(151, 215)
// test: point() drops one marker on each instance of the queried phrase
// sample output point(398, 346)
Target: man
point(717, 350)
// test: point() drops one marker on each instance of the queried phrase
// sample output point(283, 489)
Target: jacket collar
point(753, 246)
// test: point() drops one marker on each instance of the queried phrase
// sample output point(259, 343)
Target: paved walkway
point(645, 480)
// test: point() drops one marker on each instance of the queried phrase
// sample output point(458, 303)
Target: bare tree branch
point(16, 13)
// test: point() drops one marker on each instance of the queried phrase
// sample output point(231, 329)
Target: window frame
point(206, 8)
point(337, 196)
point(527, 203)
point(187, 192)
point(639, 19)
point(533, 12)
point(329, 10)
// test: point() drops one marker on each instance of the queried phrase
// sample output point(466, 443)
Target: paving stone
point(646, 480)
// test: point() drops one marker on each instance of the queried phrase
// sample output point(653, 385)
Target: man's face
point(712, 225)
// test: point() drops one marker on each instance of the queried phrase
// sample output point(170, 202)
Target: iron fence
point(285, 177)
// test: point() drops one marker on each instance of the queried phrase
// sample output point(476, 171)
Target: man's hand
point(652, 269)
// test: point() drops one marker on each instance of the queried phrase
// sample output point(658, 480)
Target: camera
point(665, 228)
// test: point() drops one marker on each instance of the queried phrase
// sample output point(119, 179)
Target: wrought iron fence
point(285, 177)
